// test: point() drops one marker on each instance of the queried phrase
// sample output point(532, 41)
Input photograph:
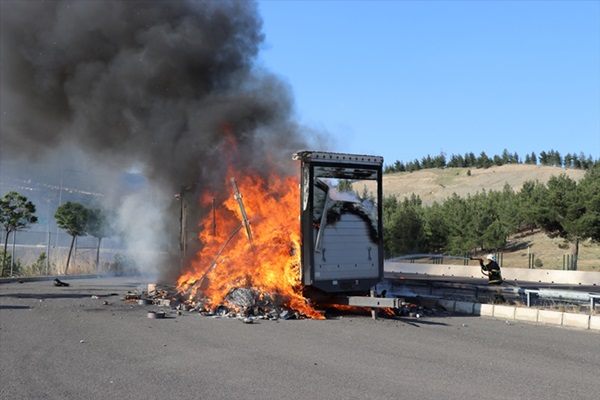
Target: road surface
point(65, 343)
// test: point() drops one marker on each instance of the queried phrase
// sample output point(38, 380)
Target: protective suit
point(491, 269)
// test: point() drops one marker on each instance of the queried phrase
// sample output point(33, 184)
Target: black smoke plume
point(161, 86)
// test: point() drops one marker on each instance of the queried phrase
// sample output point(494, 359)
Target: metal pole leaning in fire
point(246, 221)
point(245, 224)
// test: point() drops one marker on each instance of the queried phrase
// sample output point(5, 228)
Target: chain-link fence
point(46, 253)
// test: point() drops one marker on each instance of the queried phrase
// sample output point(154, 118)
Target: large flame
point(269, 260)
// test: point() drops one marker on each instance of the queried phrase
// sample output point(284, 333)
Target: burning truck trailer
point(341, 235)
point(332, 258)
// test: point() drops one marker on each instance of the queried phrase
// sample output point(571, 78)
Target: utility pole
point(183, 221)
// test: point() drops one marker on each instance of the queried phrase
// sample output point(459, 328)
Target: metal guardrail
point(575, 278)
point(570, 296)
point(484, 293)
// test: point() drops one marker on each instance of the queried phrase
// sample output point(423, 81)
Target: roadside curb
point(547, 317)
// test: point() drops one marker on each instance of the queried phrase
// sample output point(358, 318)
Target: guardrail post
point(593, 299)
point(531, 261)
point(528, 293)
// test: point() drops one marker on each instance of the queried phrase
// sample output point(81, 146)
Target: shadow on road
point(63, 295)
point(14, 307)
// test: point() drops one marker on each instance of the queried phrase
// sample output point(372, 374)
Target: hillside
point(438, 184)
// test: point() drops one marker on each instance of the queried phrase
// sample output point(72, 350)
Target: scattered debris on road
point(156, 314)
point(249, 305)
point(58, 282)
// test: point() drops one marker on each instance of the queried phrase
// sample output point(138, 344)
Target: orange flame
point(228, 259)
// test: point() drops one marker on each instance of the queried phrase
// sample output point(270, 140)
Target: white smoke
point(141, 223)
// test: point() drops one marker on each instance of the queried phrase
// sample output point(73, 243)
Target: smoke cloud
point(161, 86)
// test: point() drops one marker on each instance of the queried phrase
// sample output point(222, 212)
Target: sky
point(407, 79)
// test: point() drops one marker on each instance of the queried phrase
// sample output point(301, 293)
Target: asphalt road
point(61, 343)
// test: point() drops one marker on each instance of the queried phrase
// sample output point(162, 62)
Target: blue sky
point(406, 79)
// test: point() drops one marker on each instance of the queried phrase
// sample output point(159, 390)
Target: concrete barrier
point(571, 320)
point(576, 320)
point(448, 305)
point(463, 307)
point(526, 314)
point(510, 274)
point(595, 322)
point(550, 317)
point(484, 310)
point(507, 312)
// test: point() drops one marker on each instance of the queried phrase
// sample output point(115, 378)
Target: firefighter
point(491, 269)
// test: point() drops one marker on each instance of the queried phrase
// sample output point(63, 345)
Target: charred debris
point(249, 304)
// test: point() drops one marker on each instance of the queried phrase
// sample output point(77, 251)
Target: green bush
point(5, 263)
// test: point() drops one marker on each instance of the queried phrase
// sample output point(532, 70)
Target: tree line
point(17, 213)
point(562, 208)
point(458, 226)
point(469, 160)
